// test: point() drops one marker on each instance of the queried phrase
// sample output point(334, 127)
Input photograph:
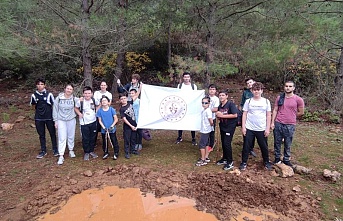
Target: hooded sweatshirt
point(63, 108)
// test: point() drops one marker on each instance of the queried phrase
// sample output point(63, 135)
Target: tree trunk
point(209, 45)
point(86, 56)
point(338, 102)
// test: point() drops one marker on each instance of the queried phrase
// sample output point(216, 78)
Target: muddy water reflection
point(113, 203)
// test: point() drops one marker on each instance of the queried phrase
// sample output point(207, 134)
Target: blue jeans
point(286, 132)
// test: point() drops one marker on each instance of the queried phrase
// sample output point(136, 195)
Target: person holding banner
point(227, 115)
point(186, 85)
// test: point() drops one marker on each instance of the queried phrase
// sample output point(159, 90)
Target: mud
point(225, 195)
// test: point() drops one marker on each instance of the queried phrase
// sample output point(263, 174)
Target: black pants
point(129, 140)
point(114, 140)
point(192, 133)
point(40, 127)
point(249, 142)
point(212, 134)
point(88, 132)
point(139, 133)
point(226, 139)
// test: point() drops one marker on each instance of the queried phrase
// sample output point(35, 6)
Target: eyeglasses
point(204, 102)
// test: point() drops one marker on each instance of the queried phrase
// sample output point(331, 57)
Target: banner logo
point(173, 108)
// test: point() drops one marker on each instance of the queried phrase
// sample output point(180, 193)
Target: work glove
point(118, 81)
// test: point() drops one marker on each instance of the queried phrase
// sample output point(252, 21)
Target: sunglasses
point(204, 102)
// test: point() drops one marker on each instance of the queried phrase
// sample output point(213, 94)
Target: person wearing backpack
point(85, 108)
point(247, 94)
point(287, 108)
point(43, 102)
point(256, 121)
point(65, 121)
point(186, 85)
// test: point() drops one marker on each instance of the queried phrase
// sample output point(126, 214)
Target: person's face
point(68, 90)
point(104, 102)
point(40, 86)
point(289, 88)
point(250, 83)
point(205, 103)
point(186, 78)
point(212, 91)
point(257, 92)
point(103, 86)
point(123, 100)
point(134, 81)
point(132, 93)
point(87, 94)
point(223, 97)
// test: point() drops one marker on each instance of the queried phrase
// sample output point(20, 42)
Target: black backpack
point(81, 105)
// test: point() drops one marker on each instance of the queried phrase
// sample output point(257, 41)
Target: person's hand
point(111, 128)
point(118, 81)
point(56, 124)
point(272, 126)
point(266, 132)
point(244, 131)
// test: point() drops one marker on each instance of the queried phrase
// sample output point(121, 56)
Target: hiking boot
point(41, 155)
point(252, 153)
point(228, 166)
point(56, 154)
point(288, 163)
point(127, 155)
point(60, 160)
point(114, 157)
point(72, 154)
point(94, 155)
point(201, 163)
point(268, 166)
point(243, 166)
point(86, 156)
point(194, 143)
point(207, 160)
point(221, 162)
point(178, 140)
point(106, 155)
point(277, 161)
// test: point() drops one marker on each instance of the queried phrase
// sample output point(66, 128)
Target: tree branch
point(242, 11)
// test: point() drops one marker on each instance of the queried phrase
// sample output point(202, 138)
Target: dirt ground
point(30, 187)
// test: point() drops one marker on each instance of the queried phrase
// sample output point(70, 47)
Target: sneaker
point(41, 155)
point(178, 140)
point(106, 155)
point(268, 166)
point(201, 163)
point(86, 156)
point(94, 155)
point(242, 166)
point(207, 160)
point(140, 147)
point(194, 143)
point(277, 161)
point(209, 149)
point(60, 160)
point(252, 153)
point(221, 162)
point(288, 163)
point(56, 154)
point(114, 157)
point(228, 166)
point(72, 154)
point(127, 156)
point(116, 154)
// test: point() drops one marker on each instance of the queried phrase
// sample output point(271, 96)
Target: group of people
point(258, 120)
point(95, 114)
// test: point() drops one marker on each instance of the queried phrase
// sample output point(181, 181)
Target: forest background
point(85, 41)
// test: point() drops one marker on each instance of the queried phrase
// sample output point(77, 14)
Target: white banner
point(170, 108)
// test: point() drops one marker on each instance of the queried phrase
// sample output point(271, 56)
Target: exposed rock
point(7, 126)
point(284, 170)
point(19, 119)
point(88, 173)
point(72, 182)
point(301, 170)
point(332, 175)
point(296, 188)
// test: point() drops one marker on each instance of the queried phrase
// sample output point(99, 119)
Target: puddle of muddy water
point(114, 203)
